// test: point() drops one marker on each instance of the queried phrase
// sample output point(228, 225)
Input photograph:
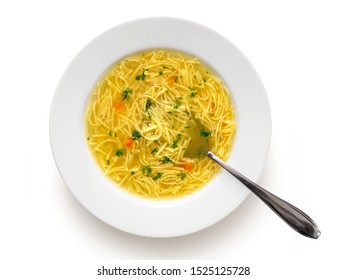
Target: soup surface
point(151, 118)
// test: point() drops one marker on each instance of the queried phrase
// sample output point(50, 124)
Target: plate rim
point(137, 200)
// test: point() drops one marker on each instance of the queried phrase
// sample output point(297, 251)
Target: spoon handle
point(293, 216)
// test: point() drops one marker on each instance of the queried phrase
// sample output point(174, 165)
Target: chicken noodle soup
point(146, 116)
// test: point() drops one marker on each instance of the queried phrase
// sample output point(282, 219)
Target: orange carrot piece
point(188, 166)
point(171, 79)
point(119, 106)
point(128, 142)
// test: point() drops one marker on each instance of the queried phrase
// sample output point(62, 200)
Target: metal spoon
point(293, 216)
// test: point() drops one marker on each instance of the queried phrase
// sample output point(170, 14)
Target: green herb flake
point(88, 138)
point(165, 67)
point(156, 177)
point(199, 152)
point(179, 137)
point(126, 93)
point(187, 126)
point(146, 170)
point(177, 104)
point(136, 135)
point(204, 133)
point(110, 133)
point(132, 173)
point(204, 80)
point(192, 91)
point(165, 159)
point(182, 176)
point(160, 73)
point(192, 94)
point(142, 76)
point(155, 150)
point(119, 152)
point(148, 104)
point(108, 162)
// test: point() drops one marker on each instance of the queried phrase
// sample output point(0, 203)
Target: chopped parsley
point(119, 152)
point(88, 138)
point(110, 134)
point(136, 135)
point(126, 93)
point(192, 91)
point(204, 133)
point(148, 104)
point(165, 159)
point(204, 80)
point(199, 152)
point(177, 104)
point(108, 162)
point(179, 137)
point(146, 170)
point(155, 150)
point(165, 67)
point(182, 176)
point(141, 77)
point(132, 173)
point(160, 73)
point(156, 177)
point(187, 126)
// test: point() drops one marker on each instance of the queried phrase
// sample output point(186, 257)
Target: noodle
point(148, 112)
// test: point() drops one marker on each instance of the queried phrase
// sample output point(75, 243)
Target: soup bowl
point(102, 197)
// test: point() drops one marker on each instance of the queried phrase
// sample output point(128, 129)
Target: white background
point(299, 50)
